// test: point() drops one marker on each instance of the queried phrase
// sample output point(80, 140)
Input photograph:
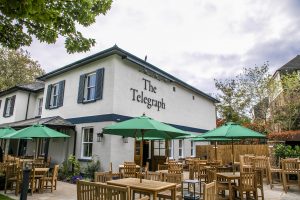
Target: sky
point(195, 40)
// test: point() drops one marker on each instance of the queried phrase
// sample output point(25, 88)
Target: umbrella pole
point(46, 150)
point(141, 156)
point(232, 149)
point(216, 153)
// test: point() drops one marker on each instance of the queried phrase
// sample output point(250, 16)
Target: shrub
point(69, 169)
point(286, 151)
point(92, 167)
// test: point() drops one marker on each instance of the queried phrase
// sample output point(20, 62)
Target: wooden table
point(229, 176)
point(147, 186)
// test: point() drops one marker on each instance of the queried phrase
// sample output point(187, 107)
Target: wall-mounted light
point(125, 139)
point(100, 137)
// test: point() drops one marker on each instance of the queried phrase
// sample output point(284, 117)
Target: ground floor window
point(87, 142)
point(180, 153)
point(159, 148)
point(192, 148)
point(171, 148)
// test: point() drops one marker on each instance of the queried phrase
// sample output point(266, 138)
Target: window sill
point(54, 107)
point(84, 159)
point(88, 101)
point(7, 116)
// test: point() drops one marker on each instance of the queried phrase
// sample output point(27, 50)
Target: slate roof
point(130, 57)
point(48, 121)
point(30, 87)
point(292, 65)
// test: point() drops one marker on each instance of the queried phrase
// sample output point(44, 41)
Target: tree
point(285, 108)
point(245, 94)
point(47, 20)
point(16, 67)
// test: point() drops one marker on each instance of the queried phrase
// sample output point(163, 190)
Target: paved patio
point(66, 191)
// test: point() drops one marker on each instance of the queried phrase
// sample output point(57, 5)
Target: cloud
point(194, 40)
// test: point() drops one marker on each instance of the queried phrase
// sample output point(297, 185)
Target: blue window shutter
point(99, 83)
point(12, 105)
point(80, 97)
point(61, 93)
point(5, 106)
point(48, 97)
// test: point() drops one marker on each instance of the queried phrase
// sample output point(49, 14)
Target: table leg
point(173, 193)
point(155, 196)
point(230, 189)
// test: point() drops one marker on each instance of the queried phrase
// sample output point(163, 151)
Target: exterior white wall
point(19, 108)
point(181, 109)
point(111, 149)
point(71, 108)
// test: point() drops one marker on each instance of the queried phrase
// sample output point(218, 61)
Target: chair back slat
point(102, 177)
point(154, 176)
point(247, 181)
point(290, 166)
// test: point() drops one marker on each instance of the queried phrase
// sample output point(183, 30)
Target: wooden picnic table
point(147, 186)
point(229, 176)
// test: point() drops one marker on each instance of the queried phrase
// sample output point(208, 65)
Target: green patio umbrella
point(143, 127)
point(36, 131)
point(232, 131)
point(5, 131)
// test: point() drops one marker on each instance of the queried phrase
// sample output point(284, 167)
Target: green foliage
point(240, 94)
point(16, 67)
point(47, 20)
point(92, 167)
point(286, 110)
point(286, 151)
point(69, 168)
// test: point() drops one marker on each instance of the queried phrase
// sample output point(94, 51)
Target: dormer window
point(9, 106)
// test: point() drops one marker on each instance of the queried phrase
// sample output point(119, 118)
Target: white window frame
point(180, 148)
point(54, 95)
point(171, 149)
point(42, 146)
point(192, 148)
point(86, 142)
point(89, 87)
point(8, 107)
point(40, 107)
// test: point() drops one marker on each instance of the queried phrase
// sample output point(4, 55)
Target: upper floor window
point(55, 95)
point(9, 106)
point(91, 86)
point(87, 142)
point(40, 106)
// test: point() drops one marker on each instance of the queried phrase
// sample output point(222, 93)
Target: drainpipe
point(26, 115)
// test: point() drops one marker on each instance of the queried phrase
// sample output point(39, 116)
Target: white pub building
point(108, 87)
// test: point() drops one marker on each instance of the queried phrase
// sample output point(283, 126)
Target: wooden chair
point(260, 163)
point(101, 191)
point(259, 175)
point(102, 177)
point(200, 173)
point(154, 176)
point(211, 175)
point(13, 178)
point(37, 178)
point(52, 180)
point(162, 167)
point(175, 168)
point(272, 170)
point(210, 191)
point(290, 166)
point(246, 185)
point(172, 178)
point(245, 164)
point(129, 170)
